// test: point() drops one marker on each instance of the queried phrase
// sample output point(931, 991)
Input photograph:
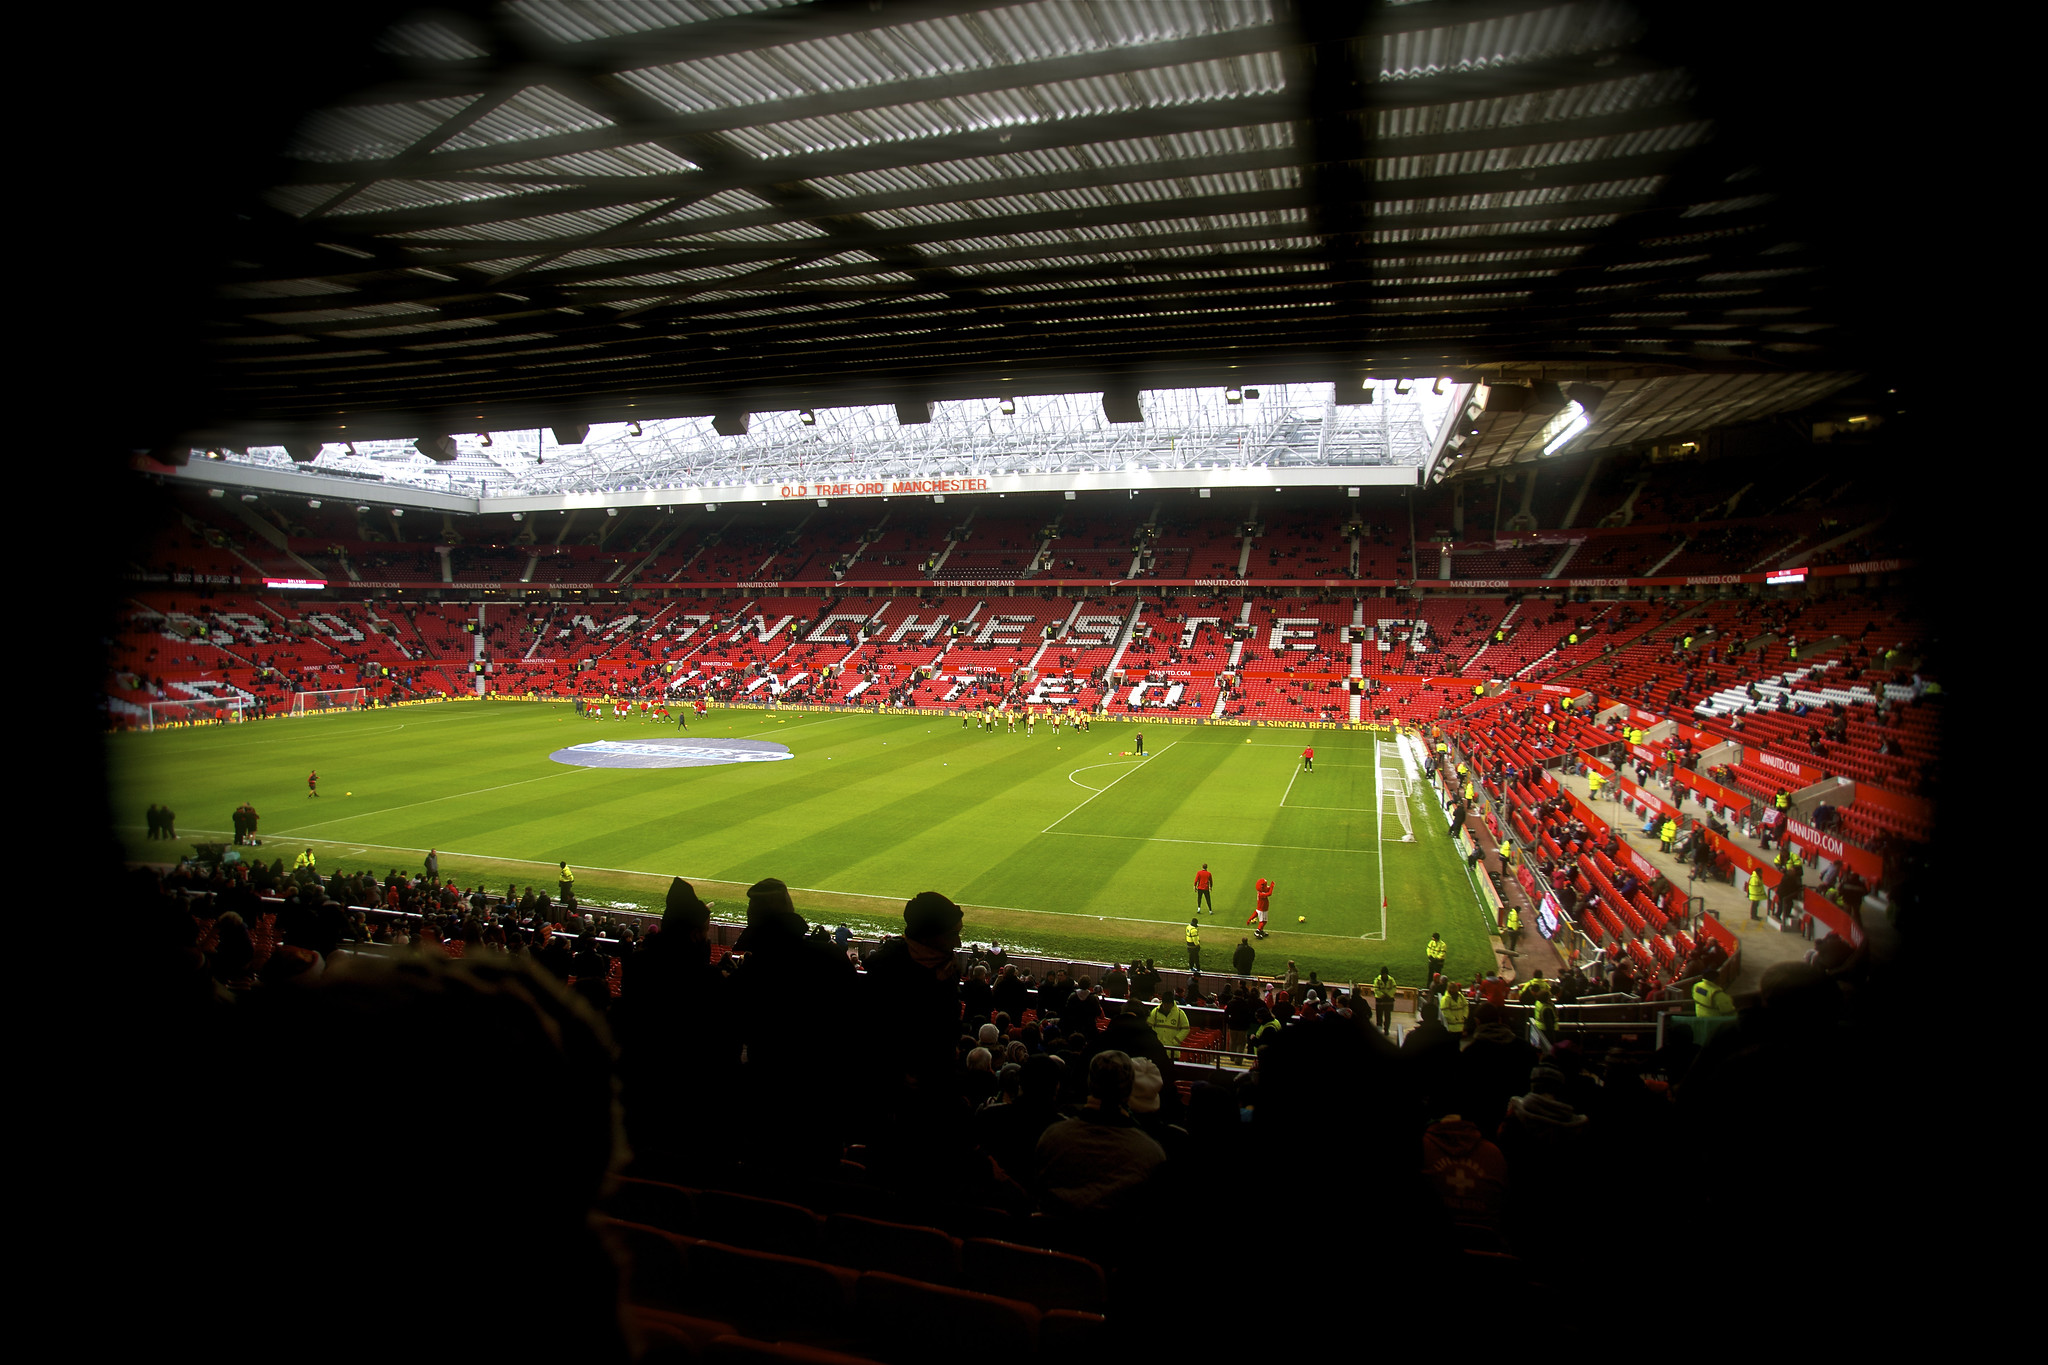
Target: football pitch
point(1060, 843)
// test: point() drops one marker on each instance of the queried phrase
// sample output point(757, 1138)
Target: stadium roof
point(530, 214)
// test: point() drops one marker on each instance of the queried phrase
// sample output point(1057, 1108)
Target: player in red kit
point(313, 782)
point(1203, 881)
point(1308, 759)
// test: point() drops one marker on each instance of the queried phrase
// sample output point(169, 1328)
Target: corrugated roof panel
point(427, 38)
point(642, 158)
point(1489, 277)
point(371, 132)
point(1747, 201)
point(444, 325)
point(918, 214)
point(298, 289)
point(711, 205)
point(535, 111)
point(575, 23)
point(1504, 40)
point(1092, 95)
point(1645, 91)
point(480, 341)
point(380, 195)
point(729, 80)
point(530, 229)
point(1731, 275)
point(1257, 73)
point(1391, 235)
point(765, 232)
point(613, 255)
point(307, 317)
point(1081, 197)
point(1554, 194)
point(934, 46)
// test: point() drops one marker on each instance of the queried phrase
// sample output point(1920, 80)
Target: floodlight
point(1007, 406)
point(635, 430)
point(1403, 385)
point(1233, 395)
point(302, 452)
point(807, 417)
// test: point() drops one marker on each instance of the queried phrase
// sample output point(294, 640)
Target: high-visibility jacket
point(1478, 689)
point(1669, 832)
point(1265, 1033)
point(1593, 781)
point(1383, 987)
point(1437, 950)
point(1514, 918)
point(304, 859)
point(1170, 1022)
point(1782, 801)
point(1194, 935)
point(1709, 1000)
point(1756, 885)
point(1452, 1007)
point(1538, 989)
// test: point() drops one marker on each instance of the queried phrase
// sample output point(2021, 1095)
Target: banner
point(1835, 849)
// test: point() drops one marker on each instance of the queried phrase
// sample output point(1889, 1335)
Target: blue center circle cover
point(670, 753)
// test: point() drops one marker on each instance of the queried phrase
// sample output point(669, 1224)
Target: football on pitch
point(1301, 919)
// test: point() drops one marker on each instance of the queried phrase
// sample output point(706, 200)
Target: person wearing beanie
point(911, 996)
point(793, 1099)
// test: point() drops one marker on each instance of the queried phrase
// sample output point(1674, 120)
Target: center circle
point(670, 753)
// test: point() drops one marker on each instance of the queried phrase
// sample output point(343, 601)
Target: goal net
point(203, 711)
point(341, 699)
point(1393, 789)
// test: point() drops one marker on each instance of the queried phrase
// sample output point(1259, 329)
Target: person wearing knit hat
point(932, 921)
point(685, 911)
point(911, 994)
point(770, 913)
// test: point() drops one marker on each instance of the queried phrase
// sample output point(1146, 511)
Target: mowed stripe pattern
point(1055, 830)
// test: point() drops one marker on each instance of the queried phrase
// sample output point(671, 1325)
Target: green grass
point(1065, 845)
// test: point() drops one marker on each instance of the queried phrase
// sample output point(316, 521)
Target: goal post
point(340, 699)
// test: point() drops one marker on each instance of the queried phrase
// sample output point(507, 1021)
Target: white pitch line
point(453, 796)
point(808, 890)
point(1290, 787)
point(1134, 767)
point(1355, 809)
point(1379, 831)
point(1205, 843)
point(1092, 766)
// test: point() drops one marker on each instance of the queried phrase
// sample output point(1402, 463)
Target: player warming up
point(1264, 907)
point(313, 782)
point(1308, 759)
point(1203, 881)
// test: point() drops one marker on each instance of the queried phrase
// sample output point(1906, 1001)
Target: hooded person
point(790, 983)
